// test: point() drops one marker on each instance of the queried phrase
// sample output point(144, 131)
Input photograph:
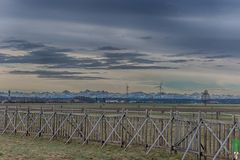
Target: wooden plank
point(133, 129)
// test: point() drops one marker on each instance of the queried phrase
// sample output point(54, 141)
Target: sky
point(56, 45)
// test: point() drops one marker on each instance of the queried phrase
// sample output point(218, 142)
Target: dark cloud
point(186, 25)
point(38, 53)
point(186, 54)
point(180, 61)
point(219, 57)
point(130, 57)
point(109, 48)
point(123, 67)
point(204, 55)
point(21, 44)
point(209, 60)
point(53, 57)
point(44, 72)
point(219, 66)
point(64, 75)
point(146, 37)
point(45, 56)
point(95, 7)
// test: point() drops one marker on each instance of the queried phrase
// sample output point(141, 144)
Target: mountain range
point(111, 95)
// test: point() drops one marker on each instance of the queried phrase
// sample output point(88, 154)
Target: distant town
point(89, 96)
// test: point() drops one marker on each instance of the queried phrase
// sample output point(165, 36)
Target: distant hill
point(104, 96)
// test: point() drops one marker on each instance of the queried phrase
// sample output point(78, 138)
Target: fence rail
point(206, 135)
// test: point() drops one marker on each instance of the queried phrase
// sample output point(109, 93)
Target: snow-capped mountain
point(104, 94)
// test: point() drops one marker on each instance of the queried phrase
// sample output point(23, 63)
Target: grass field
point(123, 105)
point(25, 148)
point(90, 105)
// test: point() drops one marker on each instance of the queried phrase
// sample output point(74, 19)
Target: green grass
point(25, 148)
point(91, 105)
point(123, 105)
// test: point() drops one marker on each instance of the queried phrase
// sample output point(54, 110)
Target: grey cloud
point(196, 53)
point(44, 56)
point(209, 60)
point(146, 37)
point(219, 57)
point(180, 61)
point(109, 48)
point(188, 25)
point(21, 44)
point(44, 72)
point(203, 55)
point(116, 58)
point(219, 66)
point(64, 75)
point(123, 67)
point(53, 57)
point(37, 53)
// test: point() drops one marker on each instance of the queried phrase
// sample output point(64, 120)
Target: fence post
point(234, 132)
point(199, 136)
point(103, 129)
point(40, 121)
point(54, 121)
point(146, 129)
point(6, 117)
point(218, 129)
point(15, 120)
point(85, 126)
point(171, 130)
point(161, 126)
point(28, 118)
point(122, 130)
point(205, 139)
point(82, 125)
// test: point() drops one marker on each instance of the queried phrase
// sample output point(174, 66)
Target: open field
point(133, 106)
point(25, 148)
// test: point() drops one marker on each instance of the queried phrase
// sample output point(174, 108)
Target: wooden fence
point(206, 135)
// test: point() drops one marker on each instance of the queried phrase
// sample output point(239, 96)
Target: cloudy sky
point(53, 45)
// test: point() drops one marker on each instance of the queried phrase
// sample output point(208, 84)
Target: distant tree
point(205, 97)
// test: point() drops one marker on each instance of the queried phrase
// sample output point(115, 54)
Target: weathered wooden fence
point(206, 135)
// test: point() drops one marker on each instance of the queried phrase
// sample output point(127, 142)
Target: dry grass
point(123, 105)
point(25, 148)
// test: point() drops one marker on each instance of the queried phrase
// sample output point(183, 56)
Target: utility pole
point(9, 95)
point(127, 89)
point(160, 87)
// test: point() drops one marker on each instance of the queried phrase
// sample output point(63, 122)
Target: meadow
point(25, 148)
point(125, 106)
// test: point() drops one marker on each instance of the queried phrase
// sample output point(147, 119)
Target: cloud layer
point(69, 39)
point(53, 57)
point(62, 75)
